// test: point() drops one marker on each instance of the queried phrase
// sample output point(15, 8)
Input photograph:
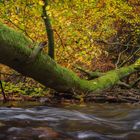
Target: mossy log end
point(15, 53)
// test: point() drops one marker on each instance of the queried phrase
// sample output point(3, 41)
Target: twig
point(120, 83)
point(135, 82)
point(2, 91)
point(20, 29)
point(2, 73)
point(91, 75)
point(59, 38)
point(129, 58)
point(112, 43)
point(120, 54)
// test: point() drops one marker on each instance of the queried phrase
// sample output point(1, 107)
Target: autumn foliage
point(99, 34)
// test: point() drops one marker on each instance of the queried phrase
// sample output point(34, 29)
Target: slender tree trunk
point(49, 29)
point(15, 53)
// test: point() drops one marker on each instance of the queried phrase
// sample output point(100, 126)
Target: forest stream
point(70, 122)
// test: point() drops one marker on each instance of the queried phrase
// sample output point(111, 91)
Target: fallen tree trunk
point(15, 53)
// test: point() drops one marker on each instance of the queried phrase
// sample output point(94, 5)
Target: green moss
point(12, 36)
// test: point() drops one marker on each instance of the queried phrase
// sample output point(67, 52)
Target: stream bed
point(70, 122)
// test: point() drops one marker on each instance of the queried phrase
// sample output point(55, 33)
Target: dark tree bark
point(49, 30)
point(2, 91)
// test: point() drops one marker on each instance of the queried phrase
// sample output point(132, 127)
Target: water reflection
point(98, 121)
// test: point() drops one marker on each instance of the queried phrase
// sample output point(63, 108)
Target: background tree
point(99, 35)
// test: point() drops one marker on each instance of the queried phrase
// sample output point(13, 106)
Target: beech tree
point(16, 53)
point(74, 32)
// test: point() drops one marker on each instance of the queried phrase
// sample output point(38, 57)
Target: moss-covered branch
point(14, 52)
point(90, 74)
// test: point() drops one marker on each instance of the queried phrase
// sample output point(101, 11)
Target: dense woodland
point(45, 40)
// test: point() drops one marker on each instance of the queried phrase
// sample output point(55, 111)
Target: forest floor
point(113, 95)
point(117, 95)
point(19, 88)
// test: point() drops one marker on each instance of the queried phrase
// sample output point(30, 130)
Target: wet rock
point(2, 124)
point(46, 132)
point(14, 129)
point(43, 100)
point(2, 137)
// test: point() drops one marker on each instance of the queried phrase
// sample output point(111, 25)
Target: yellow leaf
point(137, 63)
point(47, 7)
point(49, 13)
point(41, 3)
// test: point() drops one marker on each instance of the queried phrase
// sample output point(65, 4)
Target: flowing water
point(70, 122)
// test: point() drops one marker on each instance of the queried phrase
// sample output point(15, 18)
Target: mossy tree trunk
point(15, 53)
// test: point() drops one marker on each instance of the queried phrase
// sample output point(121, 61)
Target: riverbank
point(114, 95)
